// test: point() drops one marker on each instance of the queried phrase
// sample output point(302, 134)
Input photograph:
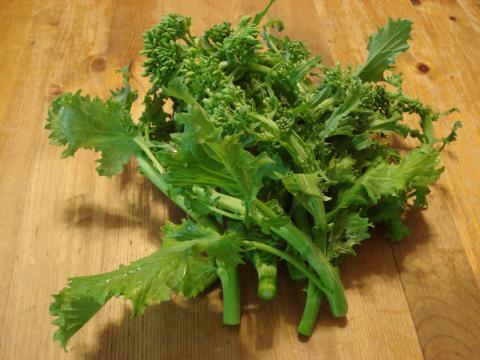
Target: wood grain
point(416, 299)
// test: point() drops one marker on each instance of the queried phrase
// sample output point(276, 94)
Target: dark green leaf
point(383, 47)
point(341, 112)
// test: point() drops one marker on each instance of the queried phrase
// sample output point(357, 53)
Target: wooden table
point(410, 300)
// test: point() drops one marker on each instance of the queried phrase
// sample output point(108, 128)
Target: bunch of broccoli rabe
point(272, 156)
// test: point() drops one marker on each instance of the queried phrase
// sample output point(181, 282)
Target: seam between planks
point(399, 274)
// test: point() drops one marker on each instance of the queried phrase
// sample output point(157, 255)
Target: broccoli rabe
point(274, 158)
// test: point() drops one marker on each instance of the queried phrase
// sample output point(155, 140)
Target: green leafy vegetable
point(179, 266)
point(80, 122)
point(273, 157)
point(384, 47)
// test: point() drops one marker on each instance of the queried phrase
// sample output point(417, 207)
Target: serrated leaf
point(420, 195)
point(341, 170)
point(124, 95)
point(452, 136)
point(105, 126)
point(388, 213)
point(350, 230)
point(185, 264)
point(308, 184)
point(223, 248)
point(335, 121)
point(417, 168)
point(383, 47)
point(145, 282)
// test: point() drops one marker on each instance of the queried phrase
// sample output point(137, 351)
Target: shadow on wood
point(374, 256)
point(142, 212)
point(170, 330)
point(193, 329)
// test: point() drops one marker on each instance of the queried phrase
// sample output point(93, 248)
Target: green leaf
point(276, 220)
point(417, 168)
point(349, 230)
point(362, 141)
point(185, 264)
point(420, 195)
point(452, 136)
point(259, 16)
point(200, 200)
point(223, 248)
point(105, 126)
point(308, 192)
point(203, 157)
point(302, 69)
point(383, 47)
point(388, 213)
point(155, 120)
point(223, 164)
point(145, 282)
point(337, 118)
point(341, 170)
point(396, 230)
point(125, 95)
point(177, 89)
point(308, 184)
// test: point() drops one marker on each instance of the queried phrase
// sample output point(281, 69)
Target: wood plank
point(59, 219)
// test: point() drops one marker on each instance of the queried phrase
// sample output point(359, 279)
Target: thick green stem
point(266, 266)
point(301, 220)
point(226, 213)
point(311, 310)
point(315, 296)
point(332, 285)
point(288, 258)
point(300, 217)
point(330, 280)
point(155, 176)
point(231, 294)
point(266, 121)
point(261, 69)
point(146, 149)
point(318, 261)
point(270, 60)
point(427, 126)
point(324, 105)
point(316, 208)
